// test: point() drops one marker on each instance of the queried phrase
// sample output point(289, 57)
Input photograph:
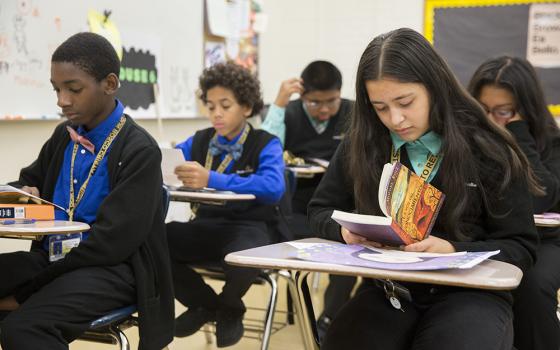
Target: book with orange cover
point(410, 205)
point(26, 211)
point(14, 204)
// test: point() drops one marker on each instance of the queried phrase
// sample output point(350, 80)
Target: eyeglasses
point(501, 112)
point(330, 104)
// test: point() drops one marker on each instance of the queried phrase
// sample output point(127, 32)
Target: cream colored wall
point(301, 31)
point(298, 32)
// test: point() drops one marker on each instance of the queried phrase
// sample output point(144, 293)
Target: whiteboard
point(168, 31)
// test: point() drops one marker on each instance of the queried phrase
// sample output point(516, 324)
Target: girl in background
point(510, 92)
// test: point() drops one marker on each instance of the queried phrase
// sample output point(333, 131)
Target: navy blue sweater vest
point(244, 166)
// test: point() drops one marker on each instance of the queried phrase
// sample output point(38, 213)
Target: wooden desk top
point(41, 228)
point(490, 274)
point(209, 197)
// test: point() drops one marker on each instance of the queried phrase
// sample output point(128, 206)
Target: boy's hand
point(31, 190)
point(431, 245)
point(287, 88)
point(8, 303)
point(193, 175)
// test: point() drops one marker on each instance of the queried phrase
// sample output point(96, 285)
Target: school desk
point(215, 198)
point(40, 228)
point(490, 274)
point(306, 171)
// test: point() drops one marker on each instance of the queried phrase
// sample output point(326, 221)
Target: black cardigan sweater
point(513, 233)
point(546, 166)
point(129, 226)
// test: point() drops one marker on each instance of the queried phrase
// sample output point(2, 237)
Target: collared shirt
point(274, 122)
point(98, 187)
point(267, 183)
point(419, 150)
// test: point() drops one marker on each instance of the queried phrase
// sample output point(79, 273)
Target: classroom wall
point(298, 32)
point(301, 31)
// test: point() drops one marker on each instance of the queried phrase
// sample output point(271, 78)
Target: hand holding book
point(410, 206)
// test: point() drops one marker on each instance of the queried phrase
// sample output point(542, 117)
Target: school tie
point(82, 140)
point(216, 148)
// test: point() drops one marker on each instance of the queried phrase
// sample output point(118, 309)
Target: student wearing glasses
point(312, 127)
point(510, 92)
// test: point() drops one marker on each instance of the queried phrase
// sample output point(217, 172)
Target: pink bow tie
point(82, 140)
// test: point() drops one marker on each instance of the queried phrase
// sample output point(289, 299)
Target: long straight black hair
point(518, 76)
point(471, 144)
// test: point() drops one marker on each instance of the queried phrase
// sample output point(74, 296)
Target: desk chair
point(254, 327)
point(261, 329)
point(110, 328)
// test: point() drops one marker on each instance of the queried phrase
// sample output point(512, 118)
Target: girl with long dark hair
point(509, 90)
point(408, 101)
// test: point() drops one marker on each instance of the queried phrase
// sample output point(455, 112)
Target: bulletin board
point(160, 46)
point(231, 32)
point(468, 32)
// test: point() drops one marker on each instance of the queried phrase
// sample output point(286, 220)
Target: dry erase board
point(160, 44)
point(466, 33)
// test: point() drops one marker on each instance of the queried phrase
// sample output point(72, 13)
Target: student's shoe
point(323, 324)
point(229, 328)
point(190, 321)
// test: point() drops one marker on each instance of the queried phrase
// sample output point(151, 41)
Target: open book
point(410, 205)
point(13, 205)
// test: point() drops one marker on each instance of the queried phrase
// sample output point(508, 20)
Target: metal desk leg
point(271, 279)
point(307, 306)
point(298, 310)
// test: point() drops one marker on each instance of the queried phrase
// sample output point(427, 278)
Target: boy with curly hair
point(229, 156)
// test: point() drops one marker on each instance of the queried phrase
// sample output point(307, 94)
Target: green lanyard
point(428, 167)
point(73, 202)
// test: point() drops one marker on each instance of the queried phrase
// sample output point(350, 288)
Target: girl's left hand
point(431, 245)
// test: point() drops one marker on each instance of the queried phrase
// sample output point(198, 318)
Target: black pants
point(535, 322)
point(459, 320)
point(337, 294)
point(62, 310)
point(210, 240)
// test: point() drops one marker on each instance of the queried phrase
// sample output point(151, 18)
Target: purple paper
point(356, 255)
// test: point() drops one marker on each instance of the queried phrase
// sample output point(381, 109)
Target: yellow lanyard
point(223, 165)
point(428, 167)
point(73, 202)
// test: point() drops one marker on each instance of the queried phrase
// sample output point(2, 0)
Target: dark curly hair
point(245, 87)
point(91, 52)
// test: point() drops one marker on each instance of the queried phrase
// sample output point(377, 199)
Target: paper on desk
point(321, 162)
point(170, 159)
point(396, 252)
point(357, 255)
point(302, 245)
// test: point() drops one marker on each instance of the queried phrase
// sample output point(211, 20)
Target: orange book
point(26, 211)
point(410, 205)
